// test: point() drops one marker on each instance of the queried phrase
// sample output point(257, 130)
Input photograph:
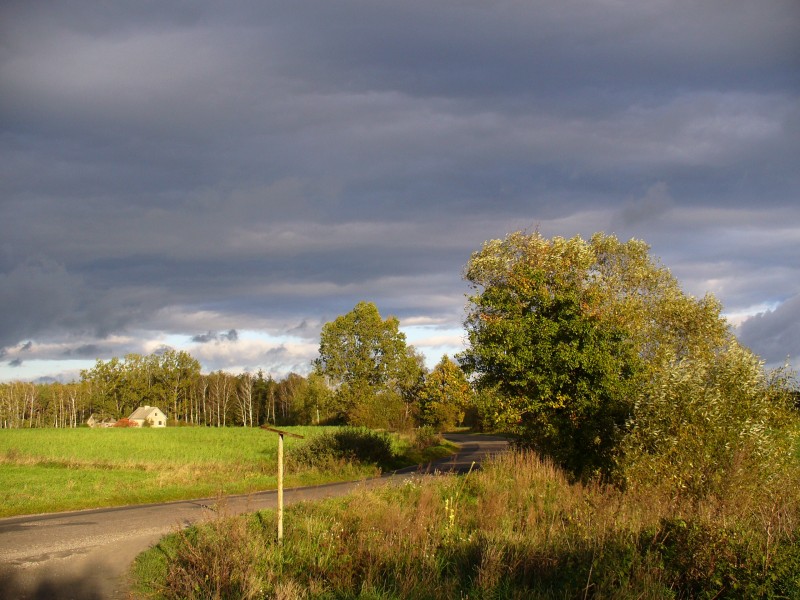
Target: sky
point(224, 178)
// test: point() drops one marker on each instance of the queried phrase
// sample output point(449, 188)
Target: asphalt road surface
point(86, 555)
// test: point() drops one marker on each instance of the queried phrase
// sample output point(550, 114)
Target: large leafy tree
point(567, 330)
point(366, 360)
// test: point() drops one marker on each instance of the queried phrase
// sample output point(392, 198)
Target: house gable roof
point(144, 412)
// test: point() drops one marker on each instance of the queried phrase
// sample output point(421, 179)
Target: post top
point(281, 432)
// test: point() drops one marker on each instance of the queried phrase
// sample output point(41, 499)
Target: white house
point(95, 421)
point(152, 414)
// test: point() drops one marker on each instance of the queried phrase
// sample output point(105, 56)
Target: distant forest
point(173, 382)
point(366, 375)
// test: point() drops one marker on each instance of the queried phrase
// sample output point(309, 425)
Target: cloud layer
point(173, 173)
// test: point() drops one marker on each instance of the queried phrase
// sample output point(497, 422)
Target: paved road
point(85, 555)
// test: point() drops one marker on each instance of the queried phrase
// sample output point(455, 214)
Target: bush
point(126, 423)
point(426, 437)
point(349, 444)
point(709, 423)
point(701, 560)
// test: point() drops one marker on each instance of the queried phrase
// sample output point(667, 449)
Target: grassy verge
point(49, 470)
point(515, 529)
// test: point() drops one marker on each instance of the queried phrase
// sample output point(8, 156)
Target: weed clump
point(426, 437)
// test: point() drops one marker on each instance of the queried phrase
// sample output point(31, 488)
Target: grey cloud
point(282, 362)
point(231, 336)
point(17, 362)
point(304, 329)
point(654, 203)
point(204, 338)
point(774, 335)
point(35, 297)
point(278, 361)
point(177, 169)
point(87, 351)
point(489, 49)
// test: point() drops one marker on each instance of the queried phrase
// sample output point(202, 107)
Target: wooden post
point(280, 488)
point(280, 474)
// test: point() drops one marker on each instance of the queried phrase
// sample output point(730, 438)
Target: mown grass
point(49, 470)
point(515, 529)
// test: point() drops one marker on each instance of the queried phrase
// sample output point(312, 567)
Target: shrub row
point(349, 444)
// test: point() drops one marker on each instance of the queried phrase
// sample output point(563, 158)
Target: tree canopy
point(366, 360)
point(567, 331)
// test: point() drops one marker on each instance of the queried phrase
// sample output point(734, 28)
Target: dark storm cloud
point(175, 168)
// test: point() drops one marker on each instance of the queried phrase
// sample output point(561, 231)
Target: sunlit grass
point(48, 470)
point(146, 448)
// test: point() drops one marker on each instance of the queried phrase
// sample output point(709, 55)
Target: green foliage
point(360, 347)
point(489, 411)
point(366, 360)
point(540, 336)
point(349, 444)
point(445, 396)
point(172, 381)
point(164, 379)
point(567, 333)
point(708, 423)
point(378, 409)
point(712, 561)
point(426, 437)
point(303, 400)
point(216, 561)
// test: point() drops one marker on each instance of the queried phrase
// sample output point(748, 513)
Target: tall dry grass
point(515, 529)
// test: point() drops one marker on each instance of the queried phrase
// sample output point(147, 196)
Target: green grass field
point(48, 470)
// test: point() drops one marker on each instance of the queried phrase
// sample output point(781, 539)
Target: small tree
point(311, 401)
point(445, 397)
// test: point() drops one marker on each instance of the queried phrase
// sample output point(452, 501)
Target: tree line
point(113, 389)
point(385, 387)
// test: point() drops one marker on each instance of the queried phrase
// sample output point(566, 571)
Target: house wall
point(155, 416)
